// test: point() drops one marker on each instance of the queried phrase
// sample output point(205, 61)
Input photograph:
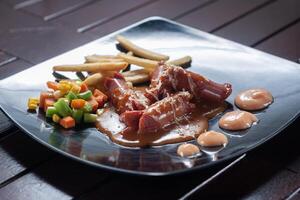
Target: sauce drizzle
point(188, 128)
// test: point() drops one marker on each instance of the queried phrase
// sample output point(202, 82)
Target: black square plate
point(218, 59)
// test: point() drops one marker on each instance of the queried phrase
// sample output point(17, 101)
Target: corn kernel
point(32, 103)
point(32, 106)
point(64, 81)
point(75, 88)
point(55, 118)
point(33, 100)
point(64, 86)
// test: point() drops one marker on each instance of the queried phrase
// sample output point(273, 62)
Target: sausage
point(123, 97)
point(131, 118)
point(168, 79)
point(165, 112)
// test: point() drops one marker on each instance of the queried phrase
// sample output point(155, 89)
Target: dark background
point(32, 31)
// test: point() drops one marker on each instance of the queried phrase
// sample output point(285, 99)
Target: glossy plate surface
point(218, 59)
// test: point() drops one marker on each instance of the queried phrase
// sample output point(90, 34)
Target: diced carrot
point(99, 93)
point(93, 102)
point(67, 122)
point(52, 85)
point(48, 102)
point(83, 87)
point(43, 96)
point(101, 100)
point(100, 97)
point(77, 103)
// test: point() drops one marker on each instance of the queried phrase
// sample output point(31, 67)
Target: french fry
point(104, 56)
point(108, 73)
point(97, 82)
point(92, 67)
point(136, 76)
point(149, 65)
point(94, 79)
point(139, 51)
point(130, 53)
point(181, 61)
point(96, 59)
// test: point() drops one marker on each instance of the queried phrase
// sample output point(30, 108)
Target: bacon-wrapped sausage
point(123, 97)
point(168, 79)
point(165, 112)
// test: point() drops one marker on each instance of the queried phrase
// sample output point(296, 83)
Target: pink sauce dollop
point(253, 99)
point(237, 120)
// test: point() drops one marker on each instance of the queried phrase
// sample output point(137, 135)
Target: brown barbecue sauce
point(188, 128)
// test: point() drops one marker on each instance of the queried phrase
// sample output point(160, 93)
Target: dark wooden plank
point(165, 8)
point(5, 124)
point(295, 165)
point(132, 187)
point(278, 186)
point(13, 67)
point(18, 4)
point(50, 9)
point(295, 195)
point(283, 149)
point(253, 179)
point(5, 58)
point(260, 24)
point(135, 188)
point(14, 2)
point(57, 179)
point(17, 20)
point(10, 65)
point(98, 13)
point(170, 187)
point(18, 153)
point(292, 144)
point(220, 13)
point(32, 39)
point(285, 44)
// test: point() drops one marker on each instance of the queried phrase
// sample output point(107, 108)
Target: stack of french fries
point(101, 66)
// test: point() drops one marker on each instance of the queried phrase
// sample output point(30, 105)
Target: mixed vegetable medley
point(69, 102)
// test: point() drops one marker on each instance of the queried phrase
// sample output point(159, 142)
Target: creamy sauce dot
point(186, 150)
point(253, 99)
point(237, 120)
point(212, 139)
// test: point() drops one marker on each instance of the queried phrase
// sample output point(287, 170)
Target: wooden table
point(35, 30)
